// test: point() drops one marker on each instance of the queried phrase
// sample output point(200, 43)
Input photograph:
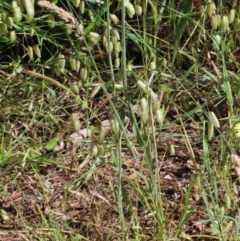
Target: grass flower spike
point(237, 129)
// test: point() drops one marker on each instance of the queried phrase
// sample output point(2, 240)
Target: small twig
point(49, 79)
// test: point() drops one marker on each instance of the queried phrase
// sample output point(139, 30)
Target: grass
point(106, 135)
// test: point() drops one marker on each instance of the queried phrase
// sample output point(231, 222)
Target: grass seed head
point(82, 7)
point(17, 15)
point(211, 9)
point(116, 34)
point(214, 22)
point(30, 52)
point(130, 10)
point(37, 50)
point(160, 116)
point(114, 19)
point(117, 63)
point(213, 119)
point(94, 37)
point(10, 22)
point(76, 122)
point(72, 62)
point(76, 3)
point(210, 130)
point(29, 7)
point(231, 16)
point(12, 37)
point(84, 74)
point(138, 10)
point(95, 151)
point(144, 110)
point(74, 87)
point(225, 24)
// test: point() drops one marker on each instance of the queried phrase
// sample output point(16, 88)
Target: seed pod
point(73, 64)
point(30, 52)
point(61, 62)
point(211, 8)
point(95, 90)
point(138, 10)
point(114, 40)
point(10, 22)
point(210, 130)
point(218, 17)
point(142, 85)
point(17, 15)
point(221, 211)
point(144, 104)
point(14, 5)
point(3, 29)
point(147, 89)
point(117, 48)
point(228, 201)
point(232, 16)
point(4, 215)
point(117, 63)
point(160, 116)
point(12, 37)
point(95, 151)
point(217, 39)
point(94, 37)
point(144, 110)
point(213, 119)
point(82, 7)
point(76, 122)
point(76, 3)
point(225, 24)
point(90, 15)
point(77, 66)
point(29, 7)
point(74, 88)
point(153, 65)
point(130, 10)
point(104, 40)
point(37, 50)
point(79, 29)
point(114, 18)
point(214, 22)
point(51, 21)
point(83, 74)
point(109, 47)
point(115, 33)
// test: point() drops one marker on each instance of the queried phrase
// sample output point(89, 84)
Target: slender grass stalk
point(124, 48)
point(109, 52)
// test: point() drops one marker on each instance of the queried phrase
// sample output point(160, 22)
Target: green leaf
point(51, 144)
